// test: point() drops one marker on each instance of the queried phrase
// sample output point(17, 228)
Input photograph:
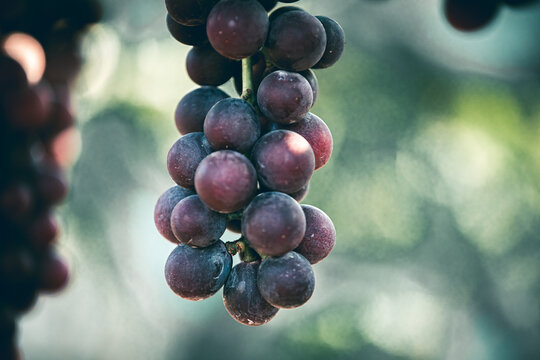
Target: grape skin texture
point(284, 97)
point(196, 225)
point(232, 124)
point(287, 281)
point(237, 28)
point(185, 156)
point(226, 181)
point(189, 12)
point(242, 298)
point(198, 273)
point(192, 109)
point(318, 135)
point(284, 161)
point(164, 207)
point(206, 67)
point(335, 43)
point(296, 41)
point(273, 224)
point(320, 236)
point(189, 35)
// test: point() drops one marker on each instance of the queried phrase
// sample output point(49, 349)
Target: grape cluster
point(468, 15)
point(244, 164)
point(35, 117)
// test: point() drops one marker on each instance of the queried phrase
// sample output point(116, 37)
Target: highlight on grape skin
point(198, 273)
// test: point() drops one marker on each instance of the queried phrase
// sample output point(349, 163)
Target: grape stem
point(240, 246)
point(247, 81)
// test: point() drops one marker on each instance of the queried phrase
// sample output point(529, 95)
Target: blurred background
point(434, 188)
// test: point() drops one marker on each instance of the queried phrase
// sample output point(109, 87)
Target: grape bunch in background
point(35, 117)
point(244, 164)
point(470, 15)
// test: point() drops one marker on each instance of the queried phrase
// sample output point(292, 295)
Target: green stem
point(240, 246)
point(247, 81)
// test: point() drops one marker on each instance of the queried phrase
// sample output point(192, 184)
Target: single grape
point(164, 207)
point(54, 274)
point(287, 281)
point(185, 156)
point(273, 224)
point(51, 184)
point(43, 230)
point(268, 4)
point(237, 28)
point(320, 236)
point(196, 225)
point(242, 297)
point(296, 40)
point(192, 109)
point(335, 43)
point(282, 10)
point(190, 12)
point(232, 124)
point(198, 273)
point(468, 15)
point(189, 35)
point(284, 97)
point(206, 67)
point(317, 134)
point(312, 79)
point(284, 161)
point(226, 181)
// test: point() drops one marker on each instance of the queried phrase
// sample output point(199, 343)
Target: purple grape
point(54, 274)
point(164, 207)
point(226, 181)
point(468, 15)
point(273, 224)
point(198, 273)
point(237, 28)
point(242, 298)
point(51, 184)
point(185, 156)
point(287, 281)
point(335, 43)
point(317, 134)
point(284, 97)
point(284, 161)
point(296, 41)
point(196, 225)
point(232, 124)
point(193, 107)
point(190, 12)
point(206, 67)
point(312, 79)
point(43, 230)
point(189, 35)
point(320, 236)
